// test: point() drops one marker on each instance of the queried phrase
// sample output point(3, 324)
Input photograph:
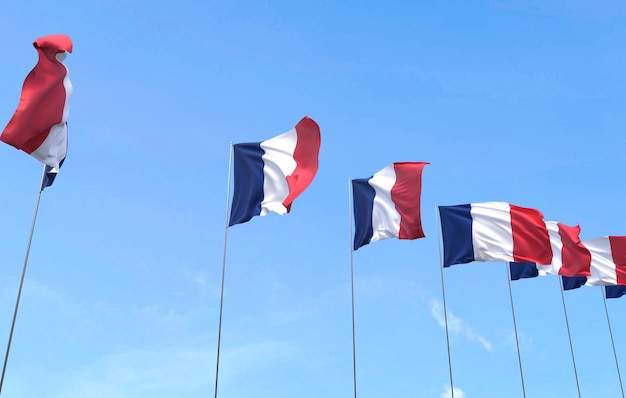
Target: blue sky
point(516, 101)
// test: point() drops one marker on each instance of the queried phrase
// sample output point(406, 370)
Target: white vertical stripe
point(492, 234)
point(602, 264)
point(54, 148)
point(385, 217)
point(557, 250)
point(278, 164)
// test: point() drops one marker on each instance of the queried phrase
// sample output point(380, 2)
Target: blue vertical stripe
point(614, 291)
point(363, 195)
point(248, 193)
point(456, 230)
point(523, 270)
point(573, 282)
point(49, 175)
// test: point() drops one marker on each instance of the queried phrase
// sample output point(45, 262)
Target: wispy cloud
point(457, 325)
point(458, 393)
point(525, 340)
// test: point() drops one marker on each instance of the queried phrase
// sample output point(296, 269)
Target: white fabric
point(492, 235)
point(278, 164)
point(385, 217)
point(557, 251)
point(602, 264)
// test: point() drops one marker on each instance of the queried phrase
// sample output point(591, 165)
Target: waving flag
point(39, 125)
point(270, 175)
point(387, 205)
point(493, 231)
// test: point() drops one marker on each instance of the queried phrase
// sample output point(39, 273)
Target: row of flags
point(271, 174)
point(496, 231)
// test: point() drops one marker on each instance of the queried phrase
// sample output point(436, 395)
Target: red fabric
point(531, 242)
point(575, 256)
point(618, 250)
point(306, 156)
point(406, 195)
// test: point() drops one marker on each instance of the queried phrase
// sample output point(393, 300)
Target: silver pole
point(519, 357)
point(352, 286)
point(602, 291)
point(19, 291)
point(219, 328)
point(443, 293)
point(571, 348)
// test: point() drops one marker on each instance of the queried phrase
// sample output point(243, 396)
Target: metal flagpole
point(352, 286)
point(571, 348)
point(602, 291)
point(443, 293)
point(519, 357)
point(19, 291)
point(219, 328)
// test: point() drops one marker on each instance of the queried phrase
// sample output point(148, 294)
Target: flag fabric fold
point(608, 260)
point(49, 174)
point(39, 125)
point(614, 291)
point(493, 231)
point(569, 256)
point(271, 174)
point(387, 205)
point(573, 282)
point(522, 270)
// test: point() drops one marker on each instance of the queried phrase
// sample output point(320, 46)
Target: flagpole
point(571, 347)
point(443, 293)
point(606, 310)
point(352, 287)
point(519, 357)
point(219, 328)
point(19, 291)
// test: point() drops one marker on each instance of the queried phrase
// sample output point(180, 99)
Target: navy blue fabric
point(248, 193)
point(573, 282)
point(49, 176)
point(456, 230)
point(363, 195)
point(614, 291)
point(523, 270)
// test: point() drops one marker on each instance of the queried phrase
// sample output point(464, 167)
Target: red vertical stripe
point(406, 196)
point(43, 97)
point(575, 256)
point(531, 242)
point(306, 157)
point(618, 250)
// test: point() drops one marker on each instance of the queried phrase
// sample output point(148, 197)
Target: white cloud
point(458, 393)
point(457, 325)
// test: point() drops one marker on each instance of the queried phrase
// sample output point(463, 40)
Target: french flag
point(493, 231)
point(608, 260)
point(592, 262)
point(270, 175)
point(387, 205)
point(39, 125)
